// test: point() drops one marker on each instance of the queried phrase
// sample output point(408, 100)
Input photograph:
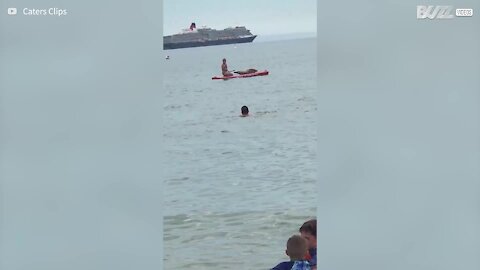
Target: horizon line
point(275, 34)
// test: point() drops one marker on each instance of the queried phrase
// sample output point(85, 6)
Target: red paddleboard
point(258, 73)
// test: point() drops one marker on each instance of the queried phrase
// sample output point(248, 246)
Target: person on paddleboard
point(244, 110)
point(225, 71)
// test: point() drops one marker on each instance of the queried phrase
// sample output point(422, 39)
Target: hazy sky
point(262, 17)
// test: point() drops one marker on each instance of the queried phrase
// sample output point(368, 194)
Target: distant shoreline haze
point(278, 37)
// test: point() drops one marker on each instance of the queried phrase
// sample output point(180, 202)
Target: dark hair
point(224, 59)
point(309, 227)
point(244, 110)
point(297, 247)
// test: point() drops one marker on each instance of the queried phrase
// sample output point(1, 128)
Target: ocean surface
point(237, 188)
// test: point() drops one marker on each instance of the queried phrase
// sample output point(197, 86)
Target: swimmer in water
point(244, 111)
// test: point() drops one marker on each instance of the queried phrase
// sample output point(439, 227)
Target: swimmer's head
point(224, 60)
point(244, 110)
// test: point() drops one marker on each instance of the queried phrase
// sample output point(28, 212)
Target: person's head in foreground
point(309, 231)
point(297, 248)
point(224, 60)
point(244, 111)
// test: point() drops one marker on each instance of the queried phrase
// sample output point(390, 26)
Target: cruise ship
point(200, 37)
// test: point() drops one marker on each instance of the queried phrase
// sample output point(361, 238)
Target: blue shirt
point(292, 265)
point(301, 265)
point(284, 266)
point(313, 255)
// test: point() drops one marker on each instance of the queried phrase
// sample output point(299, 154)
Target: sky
point(261, 17)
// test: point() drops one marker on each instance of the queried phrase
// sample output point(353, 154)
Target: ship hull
point(203, 43)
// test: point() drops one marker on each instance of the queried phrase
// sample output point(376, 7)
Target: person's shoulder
point(301, 265)
point(283, 266)
point(313, 254)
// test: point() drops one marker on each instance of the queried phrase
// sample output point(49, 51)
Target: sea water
point(236, 188)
